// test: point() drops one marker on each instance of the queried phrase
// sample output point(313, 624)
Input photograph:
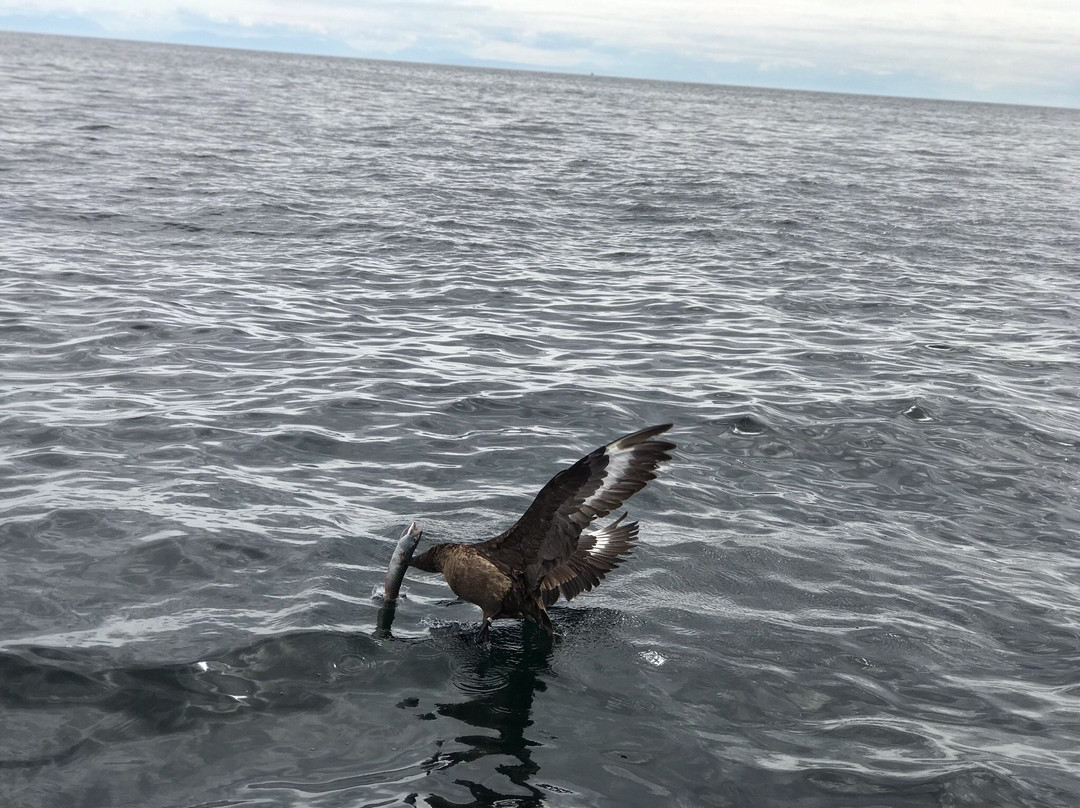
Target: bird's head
point(430, 560)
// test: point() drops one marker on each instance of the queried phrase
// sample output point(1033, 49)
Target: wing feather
point(548, 533)
point(596, 555)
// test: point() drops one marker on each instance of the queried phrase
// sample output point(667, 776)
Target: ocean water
point(258, 312)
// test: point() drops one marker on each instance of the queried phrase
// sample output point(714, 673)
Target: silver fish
point(399, 561)
point(395, 574)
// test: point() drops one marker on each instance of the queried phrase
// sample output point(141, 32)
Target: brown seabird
point(550, 550)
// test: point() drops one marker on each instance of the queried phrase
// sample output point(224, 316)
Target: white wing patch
point(617, 466)
point(601, 540)
point(604, 539)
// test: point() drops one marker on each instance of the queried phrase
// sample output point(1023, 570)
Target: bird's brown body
point(550, 551)
point(500, 592)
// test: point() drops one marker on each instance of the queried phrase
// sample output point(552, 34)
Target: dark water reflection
point(505, 678)
point(302, 675)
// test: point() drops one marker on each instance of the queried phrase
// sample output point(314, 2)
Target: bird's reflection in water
point(502, 678)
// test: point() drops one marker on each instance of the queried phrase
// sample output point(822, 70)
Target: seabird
point(551, 550)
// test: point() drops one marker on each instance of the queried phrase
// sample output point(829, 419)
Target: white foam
point(653, 657)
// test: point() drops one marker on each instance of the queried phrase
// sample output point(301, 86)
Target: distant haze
point(1009, 52)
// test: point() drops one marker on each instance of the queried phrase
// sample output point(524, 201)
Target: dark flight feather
point(596, 555)
point(546, 536)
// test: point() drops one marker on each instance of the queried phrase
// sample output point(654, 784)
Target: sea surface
point(258, 312)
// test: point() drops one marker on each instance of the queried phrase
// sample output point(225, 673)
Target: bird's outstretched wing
point(546, 536)
point(596, 555)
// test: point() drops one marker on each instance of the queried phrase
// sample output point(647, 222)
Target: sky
point(1007, 51)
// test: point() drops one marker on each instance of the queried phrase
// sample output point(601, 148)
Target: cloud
point(1005, 50)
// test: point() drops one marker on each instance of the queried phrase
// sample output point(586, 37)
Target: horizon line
point(518, 68)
